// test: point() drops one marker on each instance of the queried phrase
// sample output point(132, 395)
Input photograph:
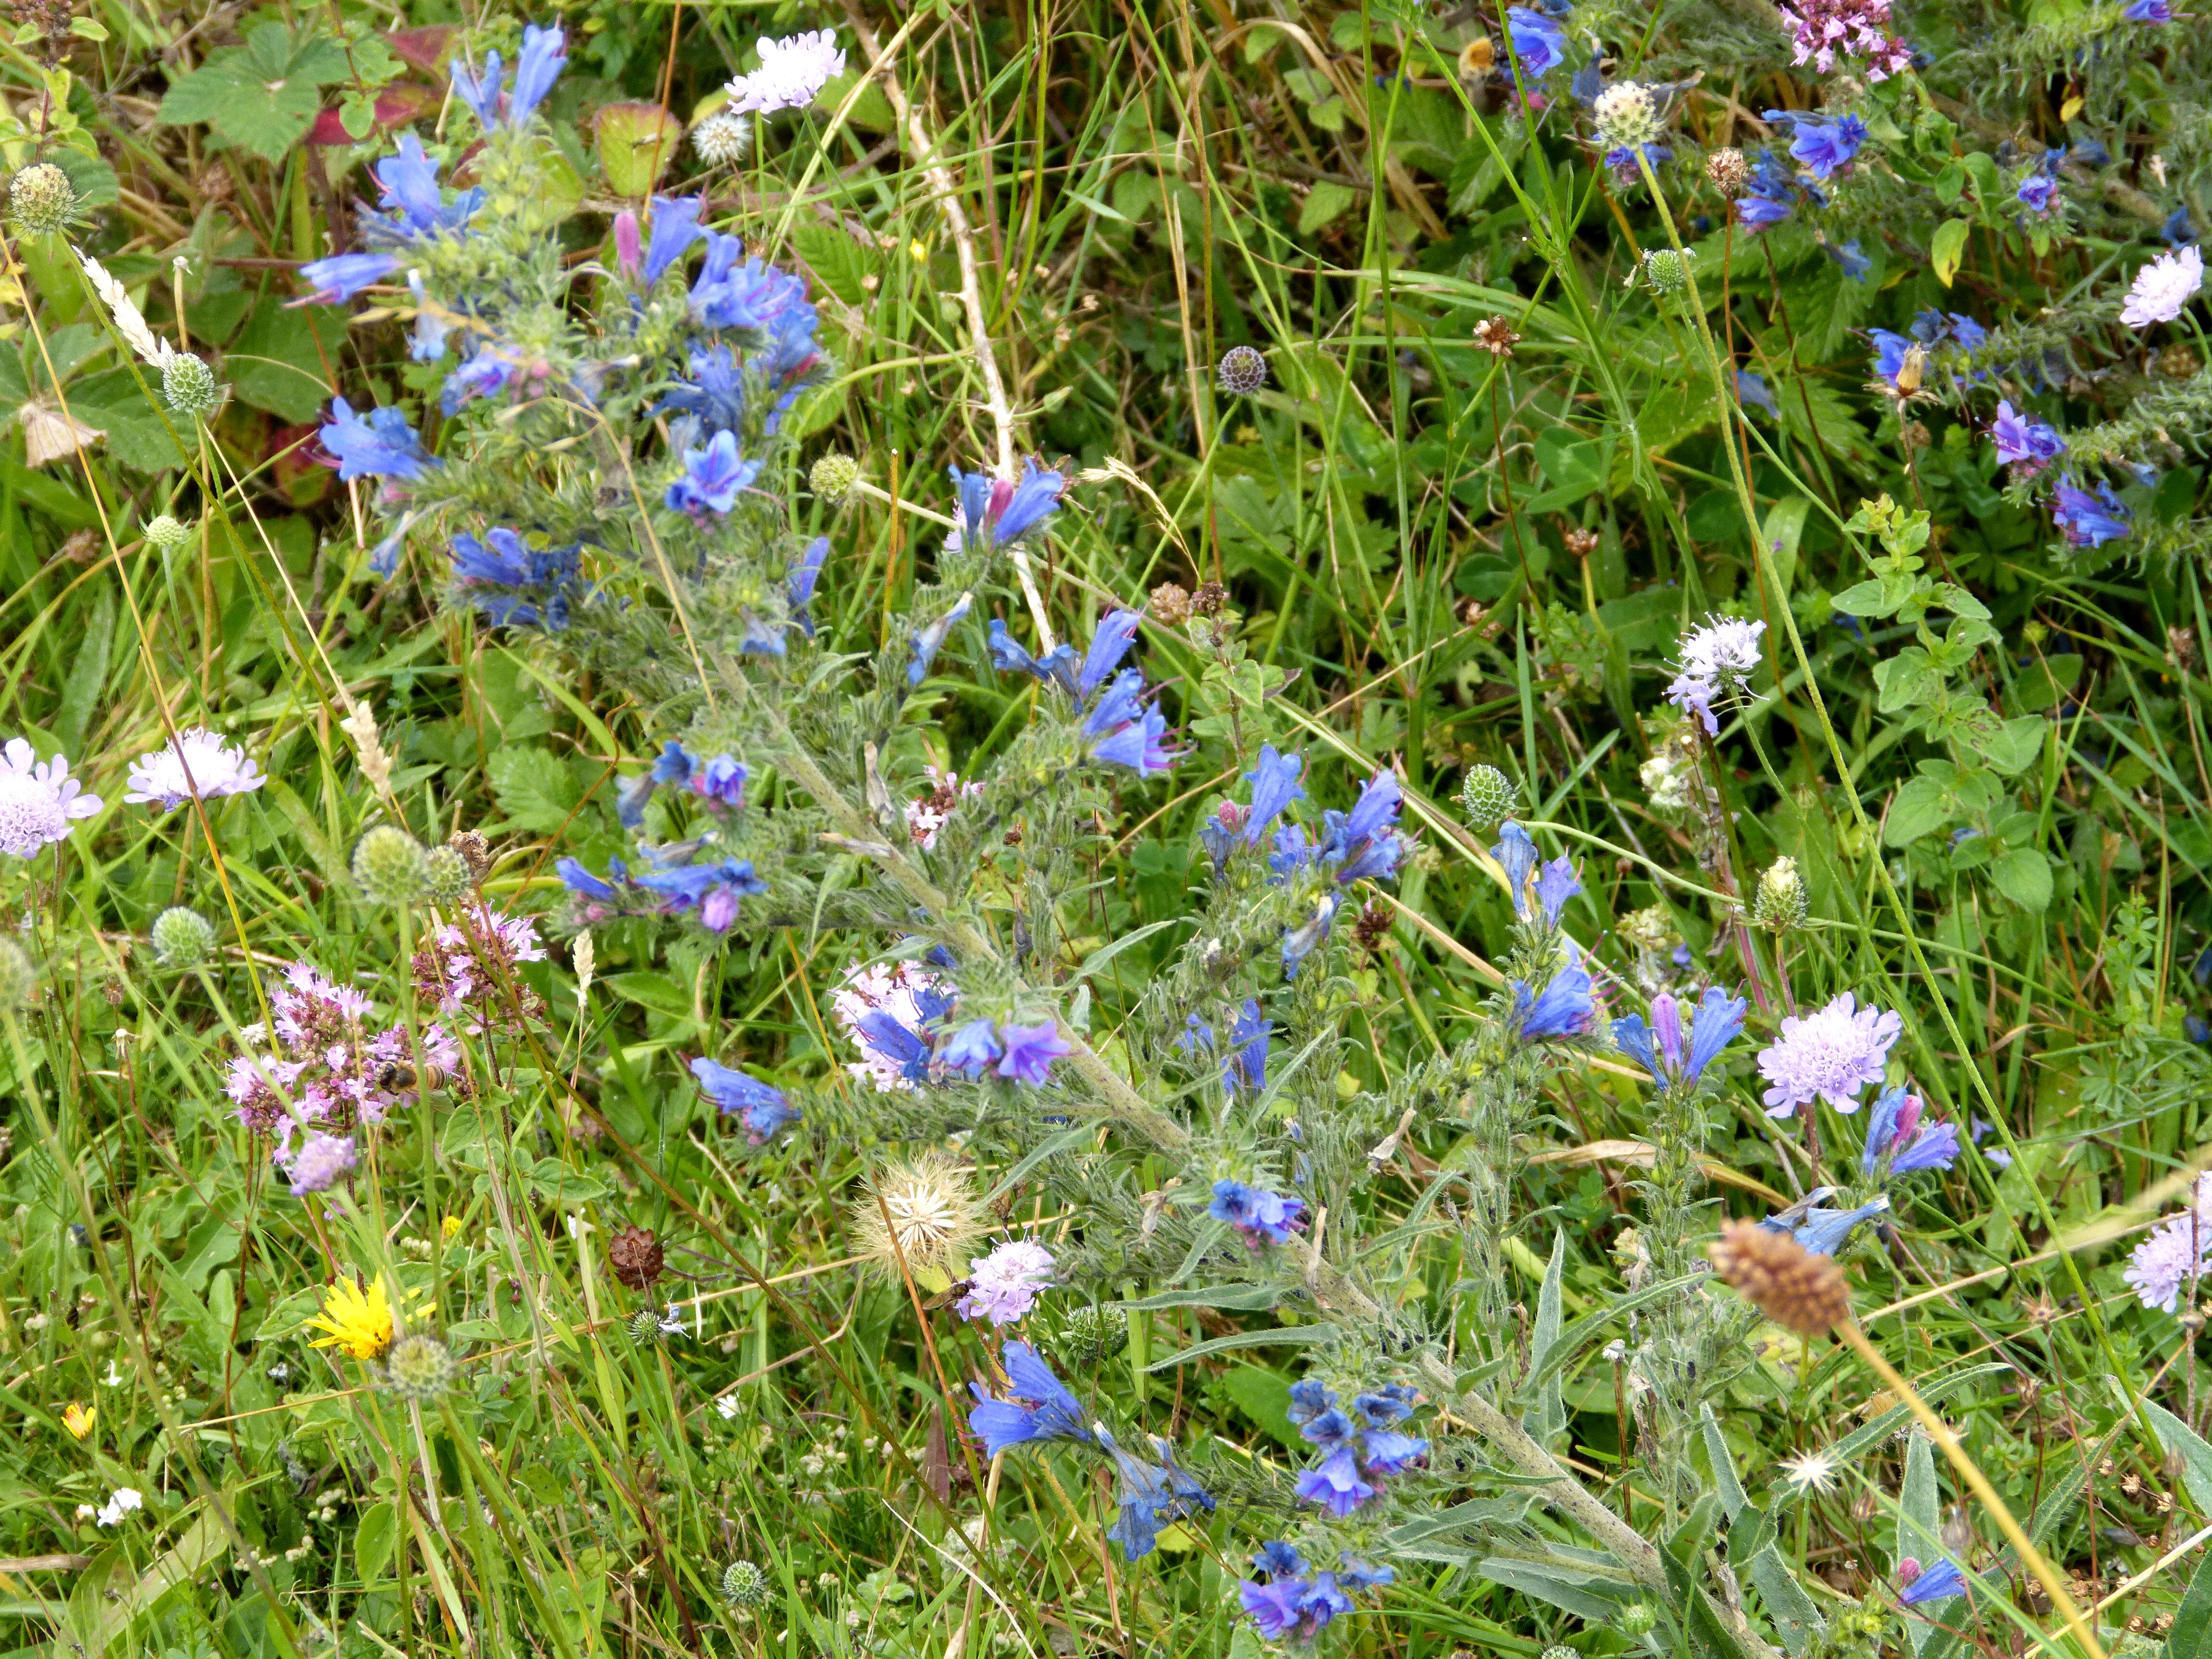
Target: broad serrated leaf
point(535, 789)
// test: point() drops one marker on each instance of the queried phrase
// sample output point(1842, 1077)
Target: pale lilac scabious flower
point(1831, 1054)
point(2163, 287)
point(38, 798)
point(792, 72)
point(2175, 1252)
point(194, 762)
point(1004, 1286)
point(1719, 657)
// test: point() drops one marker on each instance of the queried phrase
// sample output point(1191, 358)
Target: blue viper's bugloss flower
point(1009, 656)
point(1363, 843)
point(542, 58)
point(712, 477)
point(1259, 1215)
point(1934, 328)
point(731, 292)
point(1275, 785)
point(974, 1048)
point(1356, 1575)
point(711, 890)
point(894, 1041)
point(1538, 42)
point(2090, 520)
point(1300, 942)
point(1279, 1560)
point(1847, 256)
point(1936, 1146)
point(415, 205)
point(1381, 1408)
point(486, 375)
point(929, 639)
point(1517, 855)
point(1895, 1131)
point(1824, 145)
point(1030, 1051)
point(581, 882)
point(513, 584)
point(1245, 1070)
point(1150, 1496)
point(1660, 1049)
point(1116, 634)
point(764, 1109)
point(2037, 192)
point(1564, 1007)
point(1889, 350)
point(1623, 160)
point(1753, 392)
point(1121, 731)
point(713, 399)
point(1298, 1608)
point(1336, 1484)
point(1036, 1406)
point(1556, 882)
point(996, 512)
point(379, 445)
point(2022, 441)
point(1937, 1584)
point(1823, 1231)
point(804, 575)
point(675, 228)
point(336, 280)
point(721, 782)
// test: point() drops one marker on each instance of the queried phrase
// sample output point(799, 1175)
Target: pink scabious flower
point(897, 990)
point(1825, 29)
point(195, 761)
point(1004, 1286)
point(38, 800)
point(1831, 1054)
point(1721, 656)
point(2164, 288)
point(792, 72)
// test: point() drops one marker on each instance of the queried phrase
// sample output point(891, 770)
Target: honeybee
point(392, 1076)
point(947, 1296)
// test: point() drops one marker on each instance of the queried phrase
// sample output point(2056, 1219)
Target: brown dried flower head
point(1371, 926)
point(473, 847)
point(636, 1257)
point(1171, 604)
point(1795, 1289)
point(1496, 336)
point(1210, 600)
point(1729, 171)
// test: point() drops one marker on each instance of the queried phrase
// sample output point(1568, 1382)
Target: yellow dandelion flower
point(358, 1318)
point(78, 1419)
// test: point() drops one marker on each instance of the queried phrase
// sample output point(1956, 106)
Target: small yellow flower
point(358, 1318)
point(453, 1228)
point(78, 1419)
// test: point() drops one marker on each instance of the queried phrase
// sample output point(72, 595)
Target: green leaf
point(373, 1539)
point(1291, 1336)
point(1872, 598)
point(1947, 249)
point(1265, 1397)
point(1232, 1298)
point(1096, 961)
point(262, 96)
point(1920, 808)
point(2024, 877)
point(635, 143)
point(1916, 1501)
point(2196, 1457)
point(534, 787)
point(2191, 1635)
point(1324, 205)
point(2013, 744)
point(837, 260)
point(280, 360)
point(140, 434)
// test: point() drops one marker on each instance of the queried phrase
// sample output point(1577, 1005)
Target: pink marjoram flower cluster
point(1825, 29)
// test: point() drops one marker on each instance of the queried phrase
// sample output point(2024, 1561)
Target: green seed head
point(42, 199)
point(645, 1325)
point(167, 533)
point(19, 978)
point(418, 1368)
point(392, 866)
point(744, 1585)
point(189, 386)
point(1090, 1336)
point(449, 877)
point(1638, 1618)
point(1242, 371)
point(1779, 905)
point(833, 477)
point(1627, 115)
point(1488, 796)
point(1665, 270)
point(182, 938)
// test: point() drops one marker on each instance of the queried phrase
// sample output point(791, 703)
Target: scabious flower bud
point(18, 980)
point(1627, 116)
point(418, 1368)
point(644, 1326)
point(1089, 1337)
point(1488, 796)
point(1729, 171)
point(449, 875)
point(392, 866)
point(833, 476)
point(182, 938)
point(744, 1585)
point(42, 200)
point(1779, 905)
point(167, 533)
point(1637, 1619)
point(189, 386)
point(1242, 370)
point(1664, 271)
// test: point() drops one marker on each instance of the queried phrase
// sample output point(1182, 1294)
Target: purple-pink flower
point(38, 800)
point(1830, 1054)
point(1030, 1051)
point(1004, 1286)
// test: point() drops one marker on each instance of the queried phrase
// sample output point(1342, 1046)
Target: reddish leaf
point(425, 48)
point(396, 106)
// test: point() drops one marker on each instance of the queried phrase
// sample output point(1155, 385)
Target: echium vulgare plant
point(614, 483)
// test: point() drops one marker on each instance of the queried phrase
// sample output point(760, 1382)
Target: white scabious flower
point(38, 800)
point(1721, 656)
point(2163, 287)
point(129, 323)
point(194, 762)
point(127, 1501)
point(722, 139)
point(792, 72)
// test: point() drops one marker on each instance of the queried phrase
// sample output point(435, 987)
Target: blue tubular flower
point(1363, 841)
point(1291, 852)
point(544, 55)
point(1150, 1496)
point(1310, 1397)
point(931, 639)
point(1246, 1069)
point(336, 280)
point(1753, 392)
point(1355, 1575)
point(1328, 1430)
point(1936, 1146)
point(1383, 1408)
point(582, 883)
point(1275, 785)
point(1279, 1560)
point(1538, 42)
point(1336, 1482)
point(1299, 942)
point(1889, 352)
point(1855, 265)
point(2024, 441)
point(675, 228)
point(1121, 731)
point(714, 400)
point(1038, 1404)
point(1297, 1608)
point(1757, 212)
point(486, 375)
point(1565, 1006)
point(379, 445)
point(1824, 1232)
point(721, 783)
point(1030, 1051)
point(994, 511)
point(479, 90)
point(896, 1044)
point(1556, 883)
point(804, 575)
point(1259, 1215)
point(415, 209)
point(430, 328)
point(1116, 634)
point(752, 294)
point(1937, 1584)
point(2037, 192)
point(1517, 854)
point(974, 1048)
point(2087, 520)
point(1009, 656)
point(735, 1094)
point(514, 585)
point(712, 477)
point(1823, 144)
point(1633, 1038)
point(1887, 1123)
point(1384, 1453)
point(1719, 1019)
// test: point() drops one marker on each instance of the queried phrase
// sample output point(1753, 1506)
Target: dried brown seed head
point(1171, 604)
point(1797, 1290)
point(1496, 336)
point(636, 1257)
